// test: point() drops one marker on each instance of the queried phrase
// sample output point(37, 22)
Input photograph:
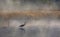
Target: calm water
point(34, 28)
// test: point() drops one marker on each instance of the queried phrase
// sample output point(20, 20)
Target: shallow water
point(33, 28)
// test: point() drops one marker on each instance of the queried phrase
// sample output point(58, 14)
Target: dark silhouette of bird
point(22, 25)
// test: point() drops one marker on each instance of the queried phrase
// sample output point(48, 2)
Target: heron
point(23, 25)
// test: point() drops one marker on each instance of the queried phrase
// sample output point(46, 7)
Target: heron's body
point(22, 25)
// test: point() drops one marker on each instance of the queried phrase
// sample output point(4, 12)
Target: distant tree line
point(34, 1)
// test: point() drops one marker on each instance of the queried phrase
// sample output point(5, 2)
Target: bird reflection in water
point(21, 27)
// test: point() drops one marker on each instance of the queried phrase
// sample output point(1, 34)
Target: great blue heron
point(23, 25)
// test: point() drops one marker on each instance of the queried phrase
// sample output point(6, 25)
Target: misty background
point(20, 5)
point(35, 27)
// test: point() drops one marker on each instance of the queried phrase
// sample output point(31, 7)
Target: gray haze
point(21, 5)
point(42, 27)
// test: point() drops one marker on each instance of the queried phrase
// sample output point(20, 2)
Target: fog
point(23, 5)
point(47, 26)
